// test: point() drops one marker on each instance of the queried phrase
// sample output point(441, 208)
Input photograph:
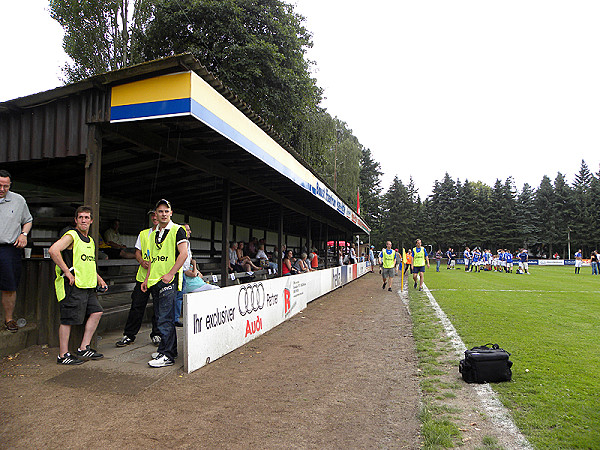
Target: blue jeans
point(594, 268)
point(166, 296)
point(439, 261)
point(179, 302)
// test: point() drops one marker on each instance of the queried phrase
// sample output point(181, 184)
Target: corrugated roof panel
point(53, 130)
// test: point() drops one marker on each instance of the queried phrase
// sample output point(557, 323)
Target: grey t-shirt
point(14, 213)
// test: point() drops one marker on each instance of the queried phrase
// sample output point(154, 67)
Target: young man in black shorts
point(76, 280)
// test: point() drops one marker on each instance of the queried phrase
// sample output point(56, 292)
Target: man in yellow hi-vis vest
point(139, 299)
point(76, 280)
point(420, 257)
point(389, 257)
point(168, 251)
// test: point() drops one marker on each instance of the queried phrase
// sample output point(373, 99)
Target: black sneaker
point(11, 326)
point(383, 287)
point(390, 289)
point(415, 286)
point(69, 360)
point(88, 353)
point(124, 341)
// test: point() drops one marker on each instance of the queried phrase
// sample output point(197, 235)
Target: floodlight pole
point(569, 241)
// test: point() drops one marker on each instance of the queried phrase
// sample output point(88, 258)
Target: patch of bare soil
point(342, 373)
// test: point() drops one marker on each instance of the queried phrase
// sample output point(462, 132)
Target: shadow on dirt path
point(342, 373)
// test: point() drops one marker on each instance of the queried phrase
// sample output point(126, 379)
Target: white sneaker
point(161, 361)
point(155, 355)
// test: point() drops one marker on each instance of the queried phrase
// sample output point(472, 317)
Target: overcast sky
point(479, 89)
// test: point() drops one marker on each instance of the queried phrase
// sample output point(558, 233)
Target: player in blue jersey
point(476, 256)
point(488, 260)
point(523, 261)
point(467, 256)
point(509, 261)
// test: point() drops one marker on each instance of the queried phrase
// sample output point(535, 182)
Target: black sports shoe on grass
point(88, 353)
point(69, 360)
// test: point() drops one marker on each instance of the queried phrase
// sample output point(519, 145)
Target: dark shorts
point(77, 305)
point(10, 267)
point(418, 269)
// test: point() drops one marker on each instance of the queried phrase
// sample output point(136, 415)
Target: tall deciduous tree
point(101, 35)
point(256, 48)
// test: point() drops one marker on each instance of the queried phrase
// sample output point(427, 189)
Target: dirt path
point(342, 373)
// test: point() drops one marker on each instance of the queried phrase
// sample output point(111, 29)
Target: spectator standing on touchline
point(15, 224)
point(76, 280)
point(168, 251)
point(372, 258)
point(139, 299)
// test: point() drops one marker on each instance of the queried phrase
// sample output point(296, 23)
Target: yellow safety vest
point(419, 257)
point(144, 239)
point(389, 260)
point(84, 266)
point(163, 256)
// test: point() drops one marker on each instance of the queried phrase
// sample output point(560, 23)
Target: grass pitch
point(550, 323)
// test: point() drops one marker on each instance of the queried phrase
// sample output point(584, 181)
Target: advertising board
point(217, 322)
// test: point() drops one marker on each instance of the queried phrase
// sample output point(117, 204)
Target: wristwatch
point(24, 233)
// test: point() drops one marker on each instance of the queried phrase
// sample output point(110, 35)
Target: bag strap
point(488, 346)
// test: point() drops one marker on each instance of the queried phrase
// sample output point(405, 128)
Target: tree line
point(458, 214)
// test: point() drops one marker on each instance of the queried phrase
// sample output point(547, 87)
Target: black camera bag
point(486, 364)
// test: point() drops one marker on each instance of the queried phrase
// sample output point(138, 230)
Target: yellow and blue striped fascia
point(163, 96)
point(188, 94)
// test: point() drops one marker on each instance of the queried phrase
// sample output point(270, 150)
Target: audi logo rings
point(251, 298)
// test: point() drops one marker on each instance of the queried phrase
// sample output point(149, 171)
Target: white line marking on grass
point(541, 291)
point(499, 415)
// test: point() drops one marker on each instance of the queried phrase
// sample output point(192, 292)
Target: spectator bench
point(121, 283)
